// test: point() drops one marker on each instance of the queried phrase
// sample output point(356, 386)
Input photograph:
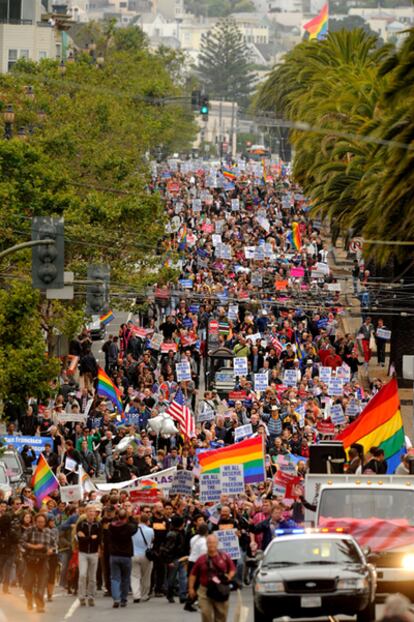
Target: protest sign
point(344, 372)
point(383, 333)
point(235, 205)
point(325, 428)
point(210, 487)
point(240, 366)
point(254, 338)
point(256, 280)
point(290, 377)
point(88, 407)
point(242, 432)
point(337, 414)
point(213, 513)
point(232, 479)
point(196, 205)
point(150, 495)
point(72, 417)
point(335, 386)
point(325, 374)
point(216, 239)
point(353, 409)
point(233, 312)
point(69, 494)
point(156, 341)
point(183, 371)
point(186, 283)
point(166, 347)
point(289, 481)
point(182, 483)
point(261, 381)
point(18, 442)
point(205, 414)
point(297, 272)
point(229, 542)
point(278, 490)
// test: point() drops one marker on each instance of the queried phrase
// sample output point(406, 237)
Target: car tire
point(258, 616)
point(367, 614)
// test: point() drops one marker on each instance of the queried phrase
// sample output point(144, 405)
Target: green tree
point(223, 64)
point(219, 8)
point(25, 368)
point(350, 22)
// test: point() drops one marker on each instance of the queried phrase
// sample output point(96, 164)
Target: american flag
point(275, 343)
point(179, 411)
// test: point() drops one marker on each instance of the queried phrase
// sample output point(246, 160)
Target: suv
point(5, 482)
point(14, 467)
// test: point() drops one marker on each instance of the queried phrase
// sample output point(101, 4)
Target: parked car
point(15, 469)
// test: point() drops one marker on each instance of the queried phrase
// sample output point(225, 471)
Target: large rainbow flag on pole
point(318, 26)
point(249, 453)
point(379, 425)
point(44, 481)
point(106, 388)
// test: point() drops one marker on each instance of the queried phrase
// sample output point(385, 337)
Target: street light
point(8, 116)
point(70, 58)
point(100, 61)
point(30, 92)
point(62, 68)
point(21, 133)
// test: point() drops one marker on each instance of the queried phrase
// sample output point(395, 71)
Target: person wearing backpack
point(142, 561)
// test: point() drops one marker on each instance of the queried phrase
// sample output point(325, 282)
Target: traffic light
point(195, 99)
point(48, 259)
point(204, 106)
point(97, 294)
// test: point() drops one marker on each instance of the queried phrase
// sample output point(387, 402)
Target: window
point(122, 5)
point(24, 54)
point(58, 50)
point(12, 59)
point(42, 54)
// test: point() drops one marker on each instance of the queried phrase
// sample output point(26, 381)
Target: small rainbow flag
point(106, 388)
point(249, 453)
point(228, 173)
point(294, 237)
point(106, 318)
point(148, 484)
point(318, 26)
point(44, 481)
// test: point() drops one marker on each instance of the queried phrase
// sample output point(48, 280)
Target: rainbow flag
point(379, 425)
point(318, 26)
point(148, 484)
point(228, 173)
point(249, 453)
point(106, 388)
point(294, 237)
point(44, 481)
point(106, 318)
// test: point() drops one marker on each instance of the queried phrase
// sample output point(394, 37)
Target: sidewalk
point(350, 323)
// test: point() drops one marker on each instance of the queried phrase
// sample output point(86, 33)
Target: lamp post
point(62, 68)
point(8, 116)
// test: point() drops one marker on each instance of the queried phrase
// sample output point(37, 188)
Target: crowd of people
point(254, 282)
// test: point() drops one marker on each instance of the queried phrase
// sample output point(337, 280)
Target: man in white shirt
point(141, 565)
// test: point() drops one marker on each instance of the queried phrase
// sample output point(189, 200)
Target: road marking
point(72, 609)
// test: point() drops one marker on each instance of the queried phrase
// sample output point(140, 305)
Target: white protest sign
point(71, 493)
point(278, 490)
point(254, 338)
point(335, 386)
point(205, 414)
point(72, 417)
point(337, 414)
point(156, 341)
point(235, 205)
point(182, 483)
point(216, 239)
point(233, 312)
point(88, 407)
point(353, 409)
point(219, 226)
point(249, 252)
point(183, 371)
point(256, 280)
point(261, 381)
point(229, 542)
point(290, 378)
point(196, 205)
point(344, 372)
point(240, 366)
point(325, 374)
point(232, 479)
point(243, 431)
point(70, 464)
point(383, 333)
point(210, 487)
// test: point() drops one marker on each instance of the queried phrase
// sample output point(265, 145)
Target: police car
point(308, 573)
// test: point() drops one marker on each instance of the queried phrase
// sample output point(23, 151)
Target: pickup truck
point(378, 511)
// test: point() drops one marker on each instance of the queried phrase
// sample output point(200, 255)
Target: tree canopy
point(223, 64)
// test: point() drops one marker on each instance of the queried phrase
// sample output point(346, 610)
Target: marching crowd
point(254, 282)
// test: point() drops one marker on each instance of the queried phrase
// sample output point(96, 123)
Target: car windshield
point(312, 551)
point(384, 504)
point(3, 476)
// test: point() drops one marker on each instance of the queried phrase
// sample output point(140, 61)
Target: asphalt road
point(66, 607)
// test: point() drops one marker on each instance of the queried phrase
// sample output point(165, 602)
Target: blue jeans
point(120, 577)
point(177, 568)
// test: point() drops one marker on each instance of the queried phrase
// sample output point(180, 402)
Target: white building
point(23, 34)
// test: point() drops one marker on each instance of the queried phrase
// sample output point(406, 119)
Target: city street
point(66, 607)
